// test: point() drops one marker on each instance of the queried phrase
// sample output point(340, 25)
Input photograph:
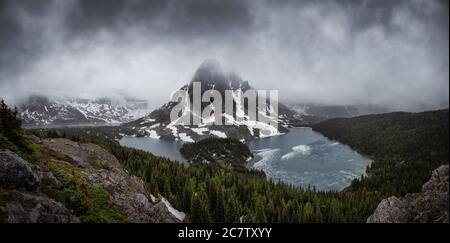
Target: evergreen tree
point(200, 212)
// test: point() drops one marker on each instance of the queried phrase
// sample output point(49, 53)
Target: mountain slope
point(211, 76)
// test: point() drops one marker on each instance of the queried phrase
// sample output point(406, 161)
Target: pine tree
point(307, 212)
point(260, 212)
point(200, 212)
point(232, 209)
point(188, 192)
point(220, 205)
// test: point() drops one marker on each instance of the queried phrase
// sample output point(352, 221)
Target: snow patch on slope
point(153, 134)
point(218, 134)
point(185, 138)
point(200, 131)
point(179, 215)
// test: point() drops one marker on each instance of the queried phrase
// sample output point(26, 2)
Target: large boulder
point(390, 210)
point(15, 172)
point(431, 205)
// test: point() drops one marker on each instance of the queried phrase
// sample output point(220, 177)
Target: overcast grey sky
point(392, 53)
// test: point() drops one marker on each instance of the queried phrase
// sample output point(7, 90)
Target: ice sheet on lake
point(267, 155)
point(297, 150)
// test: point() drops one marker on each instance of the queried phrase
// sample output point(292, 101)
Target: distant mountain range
point(42, 111)
point(211, 76)
point(335, 111)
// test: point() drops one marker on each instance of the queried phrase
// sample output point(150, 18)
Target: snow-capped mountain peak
point(238, 125)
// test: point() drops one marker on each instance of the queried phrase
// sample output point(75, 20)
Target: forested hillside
point(11, 134)
point(405, 147)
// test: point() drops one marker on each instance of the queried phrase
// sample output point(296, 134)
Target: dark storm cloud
point(383, 52)
point(183, 19)
point(17, 42)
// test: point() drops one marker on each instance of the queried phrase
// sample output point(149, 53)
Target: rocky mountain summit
point(431, 205)
point(211, 76)
point(73, 183)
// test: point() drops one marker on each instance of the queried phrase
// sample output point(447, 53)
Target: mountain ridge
point(41, 110)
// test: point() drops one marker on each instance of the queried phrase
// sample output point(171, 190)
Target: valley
point(208, 193)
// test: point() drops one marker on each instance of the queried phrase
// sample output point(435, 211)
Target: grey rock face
point(431, 205)
point(84, 156)
point(27, 208)
point(390, 210)
point(48, 179)
point(20, 201)
point(16, 172)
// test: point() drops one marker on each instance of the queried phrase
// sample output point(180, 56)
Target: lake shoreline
point(302, 157)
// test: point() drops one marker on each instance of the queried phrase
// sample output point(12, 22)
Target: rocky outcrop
point(20, 199)
point(431, 205)
point(16, 172)
point(28, 208)
point(100, 168)
point(72, 178)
